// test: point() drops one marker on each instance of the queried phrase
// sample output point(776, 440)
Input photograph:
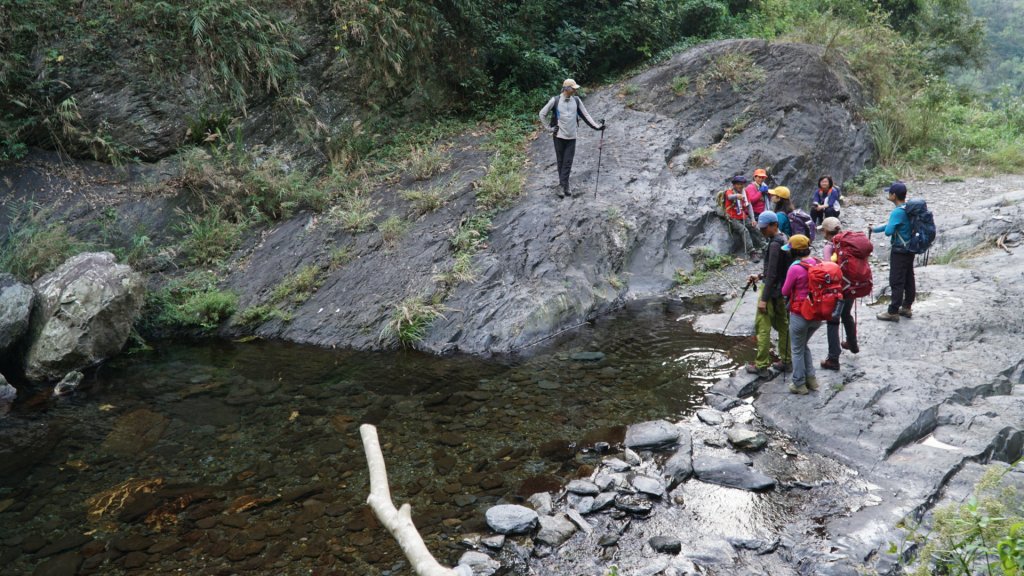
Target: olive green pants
point(777, 317)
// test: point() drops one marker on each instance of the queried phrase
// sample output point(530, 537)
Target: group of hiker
point(801, 291)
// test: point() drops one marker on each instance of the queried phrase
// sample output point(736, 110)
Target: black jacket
point(776, 265)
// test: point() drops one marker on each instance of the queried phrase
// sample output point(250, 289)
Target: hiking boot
point(781, 366)
point(812, 383)
point(906, 313)
point(851, 346)
point(798, 389)
point(829, 364)
point(888, 317)
point(760, 372)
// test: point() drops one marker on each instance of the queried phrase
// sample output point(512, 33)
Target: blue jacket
point(830, 200)
point(784, 224)
point(898, 228)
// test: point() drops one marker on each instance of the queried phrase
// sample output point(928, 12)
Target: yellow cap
point(781, 192)
point(570, 83)
point(799, 242)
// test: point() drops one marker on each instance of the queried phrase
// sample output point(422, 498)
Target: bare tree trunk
point(399, 522)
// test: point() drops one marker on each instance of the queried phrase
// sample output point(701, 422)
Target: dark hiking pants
point(901, 281)
point(849, 326)
point(565, 151)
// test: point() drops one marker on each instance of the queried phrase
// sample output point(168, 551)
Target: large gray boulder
point(653, 435)
point(15, 311)
point(86, 310)
point(731, 473)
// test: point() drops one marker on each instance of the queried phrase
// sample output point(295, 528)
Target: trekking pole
point(600, 150)
point(738, 302)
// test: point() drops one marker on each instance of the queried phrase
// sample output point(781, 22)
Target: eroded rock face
point(86, 311)
point(15, 311)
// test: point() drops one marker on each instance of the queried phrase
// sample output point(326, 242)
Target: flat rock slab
point(711, 417)
point(653, 435)
point(511, 519)
point(648, 485)
point(134, 432)
point(680, 466)
point(587, 356)
point(731, 473)
point(634, 504)
point(480, 564)
point(583, 488)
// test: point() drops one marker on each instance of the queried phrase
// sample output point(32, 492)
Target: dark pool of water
point(245, 458)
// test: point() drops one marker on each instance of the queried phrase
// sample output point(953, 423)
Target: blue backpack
point(922, 226)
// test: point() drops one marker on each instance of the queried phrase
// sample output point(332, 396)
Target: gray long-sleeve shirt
point(567, 111)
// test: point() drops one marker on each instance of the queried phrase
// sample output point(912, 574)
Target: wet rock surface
point(16, 301)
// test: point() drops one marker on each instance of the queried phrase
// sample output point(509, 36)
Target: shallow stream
point(223, 458)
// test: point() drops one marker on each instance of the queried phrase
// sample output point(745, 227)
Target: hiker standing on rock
point(740, 216)
point(825, 201)
point(795, 289)
point(902, 284)
point(757, 191)
point(850, 250)
point(567, 109)
point(771, 307)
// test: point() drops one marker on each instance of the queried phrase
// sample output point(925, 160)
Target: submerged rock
point(511, 519)
point(731, 473)
point(653, 435)
point(87, 309)
point(587, 356)
point(68, 384)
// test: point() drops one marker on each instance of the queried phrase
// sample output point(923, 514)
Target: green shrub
point(425, 162)
point(299, 286)
point(737, 69)
point(209, 238)
point(705, 261)
point(33, 245)
point(471, 234)
point(680, 85)
point(427, 200)
point(391, 230)
point(700, 158)
point(409, 321)
point(190, 302)
point(355, 213)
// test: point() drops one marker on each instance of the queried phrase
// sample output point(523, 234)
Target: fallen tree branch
point(399, 521)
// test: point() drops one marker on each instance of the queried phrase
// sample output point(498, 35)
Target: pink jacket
point(755, 197)
point(795, 287)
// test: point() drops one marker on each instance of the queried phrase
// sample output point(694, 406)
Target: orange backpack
point(824, 291)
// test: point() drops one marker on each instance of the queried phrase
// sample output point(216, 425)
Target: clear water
point(223, 458)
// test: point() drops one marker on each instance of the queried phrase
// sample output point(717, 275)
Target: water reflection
point(228, 457)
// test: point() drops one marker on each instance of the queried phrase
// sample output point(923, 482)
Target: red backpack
point(853, 249)
point(824, 290)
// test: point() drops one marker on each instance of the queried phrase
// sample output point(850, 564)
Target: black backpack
point(922, 227)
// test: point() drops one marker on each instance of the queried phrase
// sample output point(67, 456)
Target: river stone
point(68, 384)
point(634, 504)
point(652, 435)
point(541, 502)
point(654, 568)
point(616, 465)
point(64, 565)
point(747, 439)
point(555, 530)
point(666, 545)
point(86, 310)
point(583, 488)
point(647, 485)
point(478, 564)
point(511, 519)
point(730, 473)
point(7, 392)
point(711, 417)
point(585, 505)
point(632, 458)
point(579, 521)
point(604, 481)
point(680, 466)
point(15, 311)
point(494, 542)
point(587, 356)
point(602, 500)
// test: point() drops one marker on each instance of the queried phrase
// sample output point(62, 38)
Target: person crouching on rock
point(567, 109)
point(771, 307)
point(825, 201)
point(796, 289)
point(740, 217)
